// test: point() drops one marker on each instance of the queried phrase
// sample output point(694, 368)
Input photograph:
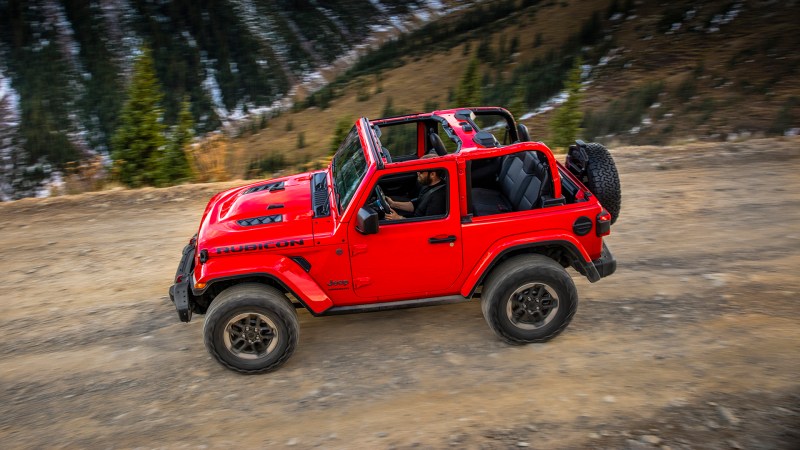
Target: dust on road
point(693, 343)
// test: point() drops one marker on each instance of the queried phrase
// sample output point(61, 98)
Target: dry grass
point(427, 78)
point(84, 176)
point(216, 158)
point(650, 56)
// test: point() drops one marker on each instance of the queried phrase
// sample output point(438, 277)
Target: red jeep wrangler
point(416, 210)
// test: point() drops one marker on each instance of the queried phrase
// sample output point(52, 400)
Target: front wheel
point(251, 328)
point(529, 298)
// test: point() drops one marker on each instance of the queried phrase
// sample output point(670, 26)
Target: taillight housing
point(603, 223)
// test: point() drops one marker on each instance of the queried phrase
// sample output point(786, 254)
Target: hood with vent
point(262, 215)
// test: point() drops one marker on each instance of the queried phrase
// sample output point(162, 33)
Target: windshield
point(349, 168)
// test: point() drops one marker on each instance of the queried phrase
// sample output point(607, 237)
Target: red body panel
point(399, 262)
point(275, 265)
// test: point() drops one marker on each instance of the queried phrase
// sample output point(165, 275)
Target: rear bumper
point(601, 267)
point(179, 292)
point(606, 264)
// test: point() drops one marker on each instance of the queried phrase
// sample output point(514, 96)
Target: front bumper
point(179, 292)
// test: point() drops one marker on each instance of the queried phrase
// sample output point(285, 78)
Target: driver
point(432, 199)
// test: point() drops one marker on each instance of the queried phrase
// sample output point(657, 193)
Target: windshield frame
point(344, 190)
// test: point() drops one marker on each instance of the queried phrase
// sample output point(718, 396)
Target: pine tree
point(469, 88)
point(11, 153)
point(138, 143)
point(388, 108)
point(514, 46)
point(175, 165)
point(343, 127)
point(517, 105)
point(566, 123)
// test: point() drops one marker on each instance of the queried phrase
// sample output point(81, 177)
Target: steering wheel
point(380, 202)
point(386, 154)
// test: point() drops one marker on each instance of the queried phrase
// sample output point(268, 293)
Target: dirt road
point(693, 343)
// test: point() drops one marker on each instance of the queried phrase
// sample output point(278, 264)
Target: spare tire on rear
point(602, 178)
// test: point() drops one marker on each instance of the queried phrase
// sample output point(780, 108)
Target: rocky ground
point(693, 343)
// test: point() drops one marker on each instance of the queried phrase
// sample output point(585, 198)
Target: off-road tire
point(602, 179)
point(515, 274)
point(259, 301)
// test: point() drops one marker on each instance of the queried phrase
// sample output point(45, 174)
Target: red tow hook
point(603, 223)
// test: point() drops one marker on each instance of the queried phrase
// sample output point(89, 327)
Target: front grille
point(263, 220)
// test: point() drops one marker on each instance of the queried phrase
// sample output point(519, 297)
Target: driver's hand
point(391, 202)
point(392, 215)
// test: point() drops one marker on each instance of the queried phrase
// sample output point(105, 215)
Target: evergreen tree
point(469, 88)
point(514, 46)
point(517, 105)
point(175, 165)
point(343, 127)
point(139, 141)
point(566, 123)
point(388, 108)
point(11, 153)
point(484, 51)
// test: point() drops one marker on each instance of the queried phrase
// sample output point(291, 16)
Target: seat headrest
point(437, 144)
point(533, 165)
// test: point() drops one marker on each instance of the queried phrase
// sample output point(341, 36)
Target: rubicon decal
point(259, 246)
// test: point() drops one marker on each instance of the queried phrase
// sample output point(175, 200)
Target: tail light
point(603, 223)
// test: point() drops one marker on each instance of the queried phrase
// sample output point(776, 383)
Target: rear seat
point(522, 179)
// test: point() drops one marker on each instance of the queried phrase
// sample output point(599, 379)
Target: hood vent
point(272, 187)
point(263, 220)
point(319, 195)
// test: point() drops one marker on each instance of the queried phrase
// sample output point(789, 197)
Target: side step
point(402, 304)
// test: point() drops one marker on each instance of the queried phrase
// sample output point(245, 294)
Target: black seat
point(436, 143)
point(513, 181)
point(532, 197)
point(522, 180)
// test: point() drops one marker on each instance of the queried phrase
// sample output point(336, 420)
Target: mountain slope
point(708, 70)
point(69, 61)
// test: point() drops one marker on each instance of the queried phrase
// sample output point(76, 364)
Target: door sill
point(401, 304)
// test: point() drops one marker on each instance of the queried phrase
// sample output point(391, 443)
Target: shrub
point(623, 114)
point(268, 164)
point(210, 158)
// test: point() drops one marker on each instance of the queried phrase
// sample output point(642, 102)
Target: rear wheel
point(251, 328)
point(602, 179)
point(529, 298)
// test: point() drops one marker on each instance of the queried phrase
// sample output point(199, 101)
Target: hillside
point(279, 76)
point(65, 65)
point(655, 73)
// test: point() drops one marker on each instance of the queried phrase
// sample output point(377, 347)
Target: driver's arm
point(400, 206)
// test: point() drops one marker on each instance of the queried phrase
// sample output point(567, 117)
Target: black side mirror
point(367, 221)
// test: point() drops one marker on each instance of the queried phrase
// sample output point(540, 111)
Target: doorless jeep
point(513, 219)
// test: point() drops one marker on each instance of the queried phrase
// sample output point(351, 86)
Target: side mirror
point(367, 221)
